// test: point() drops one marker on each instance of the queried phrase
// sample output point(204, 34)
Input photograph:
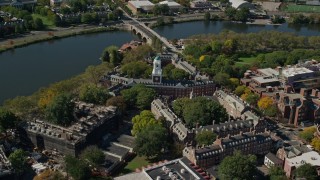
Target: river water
point(24, 70)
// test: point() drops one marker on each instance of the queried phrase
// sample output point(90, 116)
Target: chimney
point(254, 132)
point(314, 92)
point(280, 70)
point(213, 122)
point(228, 136)
point(241, 133)
point(303, 91)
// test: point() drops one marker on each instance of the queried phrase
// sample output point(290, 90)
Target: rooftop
point(141, 3)
point(311, 157)
point(269, 72)
point(265, 79)
point(293, 71)
point(170, 3)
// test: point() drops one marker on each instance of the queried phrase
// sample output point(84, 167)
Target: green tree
point(136, 69)
point(222, 78)
point(306, 171)
point(238, 166)
point(7, 120)
point(138, 54)
point(271, 111)
point(145, 97)
point(240, 90)
point(205, 138)
point(76, 168)
point(91, 93)
point(142, 121)
point(38, 24)
point(277, 173)
point(111, 54)
point(60, 110)
point(242, 14)
point(93, 154)
point(252, 99)
point(18, 160)
point(202, 111)
point(151, 141)
point(307, 133)
point(179, 105)
point(207, 16)
point(230, 12)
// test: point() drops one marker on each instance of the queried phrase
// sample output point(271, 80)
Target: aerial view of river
point(24, 70)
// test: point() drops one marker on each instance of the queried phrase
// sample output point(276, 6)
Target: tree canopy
point(205, 138)
point(138, 96)
point(265, 103)
point(117, 101)
point(143, 120)
point(93, 154)
point(238, 166)
point(151, 141)
point(306, 171)
point(277, 173)
point(91, 93)
point(7, 120)
point(18, 160)
point(200, 110)
point(77, 168)
point(137, 69)
point(111, 55)
point(307, 134)
point(60, 110)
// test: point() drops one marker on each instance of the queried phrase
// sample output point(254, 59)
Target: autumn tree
point(117, 101)
point(265, 103)
point(316, 143)
point(46, 97)
point(50, 175)
point(143, 120)
point(238, 166)
point(240, 90)
point(205, 138)
point(307, 134)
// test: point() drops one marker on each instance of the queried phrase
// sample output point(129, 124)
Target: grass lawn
point(302, 8)
point(135, 163)
point(245, 60)
point(47, 22)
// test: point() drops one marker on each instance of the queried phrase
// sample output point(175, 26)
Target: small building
point(271, 160)
point(174, 6)
point(140, 6)
point(238, 4)
point(55, 3)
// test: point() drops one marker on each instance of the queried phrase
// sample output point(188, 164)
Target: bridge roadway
point(150, 32)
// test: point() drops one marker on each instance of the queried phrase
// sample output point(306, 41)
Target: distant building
point(174, 6)
point(129, 46)
point(93, 123)
point(200, 4)
point(271, 160)
point(247, 143)
point(140, 6)
point(17, 3)
point(238, 4)
point(55, 3)
point(175, 169)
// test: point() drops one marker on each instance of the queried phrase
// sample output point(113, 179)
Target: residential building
point(176, 169)
point(140, 6)
point(247, 143)
point(92, 123)
point(131, 45)
point(271, 160)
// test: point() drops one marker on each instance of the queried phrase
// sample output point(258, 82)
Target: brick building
point(170, 88)
point(247, 143)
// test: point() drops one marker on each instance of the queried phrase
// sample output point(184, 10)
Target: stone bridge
point(147, 34)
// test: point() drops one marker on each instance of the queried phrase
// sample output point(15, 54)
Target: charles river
point(24, 70)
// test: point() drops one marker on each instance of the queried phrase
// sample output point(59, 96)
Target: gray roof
point(272, 157)
point(229, 125)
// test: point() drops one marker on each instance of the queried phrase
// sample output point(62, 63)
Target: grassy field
point(47, 22)
point(135, 163)
point(245, 60)
point(302, 8)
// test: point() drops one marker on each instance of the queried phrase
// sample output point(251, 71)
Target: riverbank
point(40, 36)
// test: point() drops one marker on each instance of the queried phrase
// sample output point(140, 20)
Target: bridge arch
point(134, 31)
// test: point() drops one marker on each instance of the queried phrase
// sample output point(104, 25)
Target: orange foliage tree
point(265, 103)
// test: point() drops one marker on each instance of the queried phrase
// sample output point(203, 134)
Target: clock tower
point(157, 71)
